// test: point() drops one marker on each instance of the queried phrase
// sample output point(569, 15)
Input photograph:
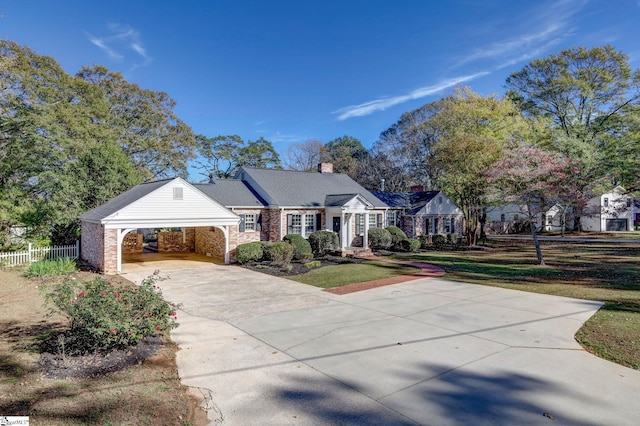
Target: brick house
point(213, 219)
point(420, 212)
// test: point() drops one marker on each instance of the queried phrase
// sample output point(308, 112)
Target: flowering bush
point(107, 316)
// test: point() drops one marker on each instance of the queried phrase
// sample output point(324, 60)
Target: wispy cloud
point(278, 137)
point(383, 103)
point(122, 39)
point(552, 24)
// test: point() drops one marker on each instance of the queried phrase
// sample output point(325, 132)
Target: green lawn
point(605, 272)
point(339, 275)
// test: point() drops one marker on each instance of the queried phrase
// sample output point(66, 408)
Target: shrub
point(452, 238)
point(300, 245)
point(306, 257)
point(313, 264)
point(322, 242)
point(408, 245)
point(397, 235)
point(438, 240)
point(279, 253)
point(106, 316)
point(379, 239)
point(425, 241)
point(52, 268)
point(249, 252)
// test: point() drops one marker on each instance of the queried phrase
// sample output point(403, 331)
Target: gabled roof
point(232, 193)
point(288, 188)
point(341, 200)
point(411, 202)
point(122, 200)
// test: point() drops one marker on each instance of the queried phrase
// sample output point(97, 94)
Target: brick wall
point(110, 251)
point(132, 243)
point(209, 241)
point(92, 244)
point(176, 241)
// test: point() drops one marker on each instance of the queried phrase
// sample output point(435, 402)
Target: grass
point(147, 393)
point(595, 271)
point(52, 268)
point(339, 275)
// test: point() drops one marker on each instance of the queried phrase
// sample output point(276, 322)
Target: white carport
point(170, 203)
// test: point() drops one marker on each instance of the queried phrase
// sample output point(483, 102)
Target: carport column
point(121, 233)
point(225, 231)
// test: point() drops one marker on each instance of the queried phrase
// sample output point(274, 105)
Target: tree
point(379, 172)
point(305, 156)
point(534, 178)
point(590, 96)
point(220, 157)
point(469, 133)
point(146, 127)
point(346, 153)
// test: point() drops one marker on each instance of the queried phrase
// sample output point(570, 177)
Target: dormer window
point(177, 193)
point(606, 202)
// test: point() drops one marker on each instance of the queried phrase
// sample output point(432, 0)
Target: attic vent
point(177, 193)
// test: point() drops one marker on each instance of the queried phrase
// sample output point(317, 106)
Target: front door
point(336, 224)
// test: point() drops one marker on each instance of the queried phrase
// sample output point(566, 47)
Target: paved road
point(269, 351)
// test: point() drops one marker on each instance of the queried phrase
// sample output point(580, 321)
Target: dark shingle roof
point(123, 200)
point(413, 202)
point(287, 188)
point(231, 193)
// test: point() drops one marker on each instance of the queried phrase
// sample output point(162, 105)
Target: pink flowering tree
point(534, 179)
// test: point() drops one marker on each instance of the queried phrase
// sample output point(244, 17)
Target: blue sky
point(294, 70)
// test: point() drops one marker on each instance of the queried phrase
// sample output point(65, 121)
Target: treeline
point(71, 142)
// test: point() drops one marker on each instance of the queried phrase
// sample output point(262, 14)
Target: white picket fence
point(34, 254)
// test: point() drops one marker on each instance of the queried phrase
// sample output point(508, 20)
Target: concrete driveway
point(269, 351)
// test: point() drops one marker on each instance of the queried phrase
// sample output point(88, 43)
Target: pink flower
point(116, 294)
point(173, 314)
point(103, 294)
point(159, 328)
point(73, 301)
point(112, 330)
point(82, 293)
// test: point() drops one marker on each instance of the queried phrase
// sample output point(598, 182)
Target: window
point(435, 226)
point(294, 224)
point(177, 193)
point(427, 226)
point(359, 224)
point(446, 224)
point(439, 200)
point(606, 202)
point(502, 217)
point(628, 202)
point(392, 218)
point(309, 224)
point(453, 226)
point(375, 220)
point(549, 220)
point(249, 222)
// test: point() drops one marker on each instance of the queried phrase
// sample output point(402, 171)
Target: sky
point(291, 70)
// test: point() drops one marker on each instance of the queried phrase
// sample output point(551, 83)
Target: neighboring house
point(213, 219)
point(502, 219)
point(613, 211)
point(422, 212)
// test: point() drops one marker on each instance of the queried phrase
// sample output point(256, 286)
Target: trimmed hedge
point(322, 242)
point(452, 238)
point(301, 246)
point(278, 253)
point(425, 241)
point(249, 252)
point(409, 245)
point(397, 235)
point(439, 240)
point(379, 239)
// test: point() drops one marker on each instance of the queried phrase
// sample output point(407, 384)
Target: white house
point(612, 211)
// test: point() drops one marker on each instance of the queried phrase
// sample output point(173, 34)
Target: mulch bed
point(57, 366)
point(297, 267)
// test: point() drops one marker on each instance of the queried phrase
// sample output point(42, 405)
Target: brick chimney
point(325, 167)
point(417, 188)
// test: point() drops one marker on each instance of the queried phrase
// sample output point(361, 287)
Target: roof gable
point(169, 202)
